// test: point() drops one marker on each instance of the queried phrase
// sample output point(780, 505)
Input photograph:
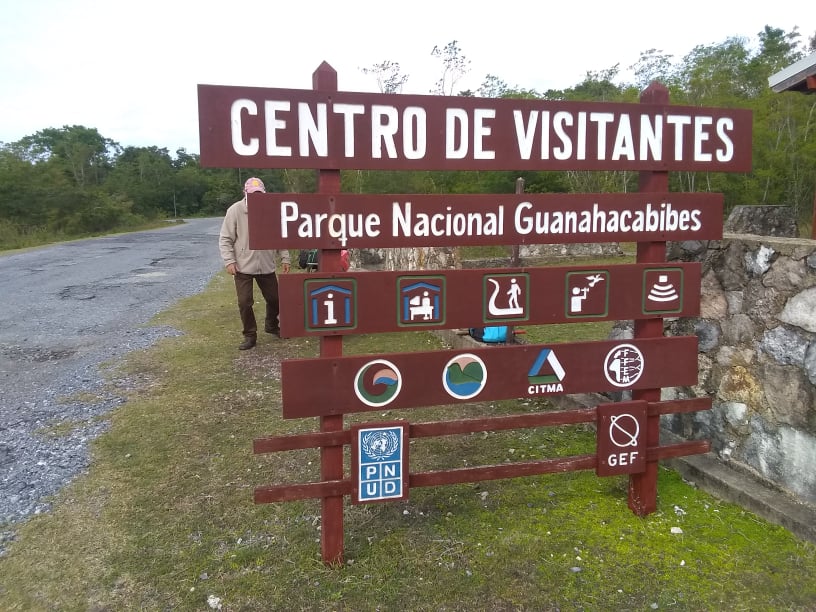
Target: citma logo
point(546, 374)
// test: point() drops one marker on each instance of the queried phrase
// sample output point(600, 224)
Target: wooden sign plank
point(321, 221)
point(372, 302)
point(340, 385)
point(254, 127)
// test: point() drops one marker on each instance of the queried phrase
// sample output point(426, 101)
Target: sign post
point(324, 80)
point(643, 486)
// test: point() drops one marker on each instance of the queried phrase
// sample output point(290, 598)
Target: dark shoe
point(248, 343)
point(272, 330)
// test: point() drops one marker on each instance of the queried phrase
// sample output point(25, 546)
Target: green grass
point(164, 518)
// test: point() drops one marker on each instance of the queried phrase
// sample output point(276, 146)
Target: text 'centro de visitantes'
point(255, 127)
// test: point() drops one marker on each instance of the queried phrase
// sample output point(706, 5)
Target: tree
point(654, 65)
point(454, 67)
point(492, 87)
point(28, 191)
point(83, 152)
point(146, 175)
point(388, 75)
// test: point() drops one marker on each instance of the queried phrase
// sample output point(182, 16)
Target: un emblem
point(380, 444)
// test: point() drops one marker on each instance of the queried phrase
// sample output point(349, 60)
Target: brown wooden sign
point(371, 302)
point(621, 438)
point(325, 386)
point(379, 461)
point(284, 221)
point(253, 127)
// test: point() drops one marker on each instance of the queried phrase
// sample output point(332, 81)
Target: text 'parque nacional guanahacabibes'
point(367, 220)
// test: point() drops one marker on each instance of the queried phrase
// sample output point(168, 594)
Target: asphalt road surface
point(65, 310)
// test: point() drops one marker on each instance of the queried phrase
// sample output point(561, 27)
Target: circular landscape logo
point(464, 376)
point(377, 383)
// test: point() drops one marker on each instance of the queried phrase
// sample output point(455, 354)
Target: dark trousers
point(268, 284)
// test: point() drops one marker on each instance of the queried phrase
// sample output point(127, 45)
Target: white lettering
point(339, 225)
point(525, 134)
point(560, 120)
point(348, 111)
point(678, 121)
point(384, 126)
point(725, 125)
point(624, 141)
point(701, 136)
point(289, 213)
point(415, 132)
point(651, 137)
point(273, 126)
point(312, 129)
point(238, 144)
point(603, 120)
point(456, 124)
point(545, 388)
point(480, 131)
point(622, 459)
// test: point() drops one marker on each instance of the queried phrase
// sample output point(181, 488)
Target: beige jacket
point(233, 243)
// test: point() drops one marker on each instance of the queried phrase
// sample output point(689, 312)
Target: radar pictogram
point(663, 290)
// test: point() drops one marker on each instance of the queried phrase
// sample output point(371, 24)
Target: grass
point(164, 519)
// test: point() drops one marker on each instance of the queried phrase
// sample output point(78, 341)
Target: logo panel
point(420, 300)
point(330, 304)
point(506, 297)
point(587, 294)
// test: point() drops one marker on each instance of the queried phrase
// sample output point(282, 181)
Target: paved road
point(64, 310)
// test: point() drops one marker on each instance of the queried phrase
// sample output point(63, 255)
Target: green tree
point(83, 152)
point(146, 175)
point(654, 65)
point(29, 191)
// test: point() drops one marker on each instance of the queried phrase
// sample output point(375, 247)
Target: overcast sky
point(130, 69)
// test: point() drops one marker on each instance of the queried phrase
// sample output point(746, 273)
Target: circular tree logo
point(377, 383)
point(464, 376)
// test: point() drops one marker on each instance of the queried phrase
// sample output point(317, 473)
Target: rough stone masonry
point(757, 356)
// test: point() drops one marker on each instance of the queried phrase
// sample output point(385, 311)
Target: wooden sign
point(371, 302)
point(341, 385)
point(285, 221)
point(621, 438)
point(253, 127)
point(379, 462)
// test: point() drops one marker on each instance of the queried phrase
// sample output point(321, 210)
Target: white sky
point(130, 69)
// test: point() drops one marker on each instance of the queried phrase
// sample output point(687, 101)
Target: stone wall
point(447, 258)
point(757, 342)
point(757, 357)
point(428, 258)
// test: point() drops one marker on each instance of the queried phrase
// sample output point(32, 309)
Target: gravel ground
point(66, 310)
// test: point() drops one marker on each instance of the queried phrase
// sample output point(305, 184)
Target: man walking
point(247, 266)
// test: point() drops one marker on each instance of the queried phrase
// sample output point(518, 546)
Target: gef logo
point(621, 438)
